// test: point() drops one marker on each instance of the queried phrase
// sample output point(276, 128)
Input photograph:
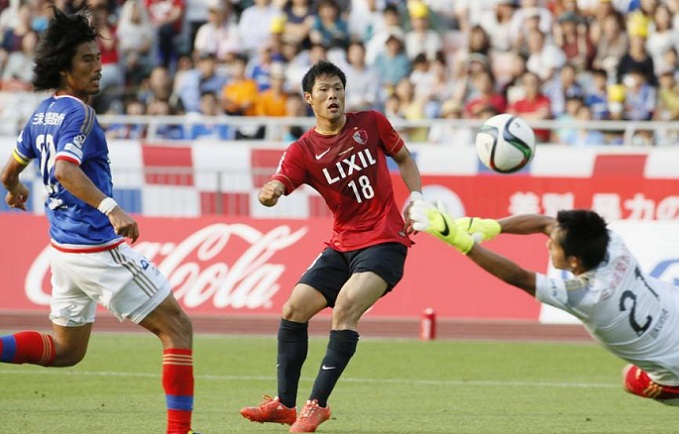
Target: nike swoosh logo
point(327, 368)
point(345, 151)
point(445, 230)
point(319, 156)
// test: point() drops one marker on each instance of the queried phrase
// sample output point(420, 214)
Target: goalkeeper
point(633, 315)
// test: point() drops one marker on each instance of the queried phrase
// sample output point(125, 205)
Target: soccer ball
point(505, 143)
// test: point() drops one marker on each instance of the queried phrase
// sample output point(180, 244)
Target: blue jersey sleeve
point(76, 125)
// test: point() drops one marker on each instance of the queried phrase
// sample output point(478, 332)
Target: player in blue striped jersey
point(90, 261)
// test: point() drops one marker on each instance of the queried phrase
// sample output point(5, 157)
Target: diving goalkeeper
point(631, 314)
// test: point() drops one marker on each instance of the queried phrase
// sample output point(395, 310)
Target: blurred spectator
point(133, 107)
point(533, 105)
point(663, 36)
point(572, 37)
point(667, 108)
point(273, 101)
point(410, 109)
point(239, 97)
point(363, 81)
point(254, 26)
point(219, 35)
point(259, 67)
point(670, 62)
point(166, 19)
point(527, 18)
point(204, 78)
point(544, 58)
point(561, 87)
point(392, 108)
point(135, 38)
point(584, 137)
point(511, 89)
point(112, 75)
point(611, 45)
point(484, 94)
point(637, 57)
point(393, 64)
point(478, 44)
point(596, 16)
point(596, 95)
point(377, 44)
point(421, 38)
point(365, 20)
point(12, 36)
point(159, 108)
point(496, 23)
point(640, 96)
point(328, 28)
point(437, 85)
point(295, 107)
point(447, 134)
point(158, 86)
point(18, 72)
point(566, 133)
point(299, 18)
point(206, 127)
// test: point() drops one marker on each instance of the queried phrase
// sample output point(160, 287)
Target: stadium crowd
point(414, 59)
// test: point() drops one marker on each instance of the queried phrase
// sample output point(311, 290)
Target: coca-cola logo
point(199, 268)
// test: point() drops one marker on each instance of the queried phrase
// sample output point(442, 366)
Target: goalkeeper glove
point(480, 229)
point(434, 221)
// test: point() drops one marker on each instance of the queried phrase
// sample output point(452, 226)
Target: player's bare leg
point(175, 331)
point(66, 346)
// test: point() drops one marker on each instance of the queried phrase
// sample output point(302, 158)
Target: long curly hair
point(58, 45)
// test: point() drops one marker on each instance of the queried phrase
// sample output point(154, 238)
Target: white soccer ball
point(505, 143)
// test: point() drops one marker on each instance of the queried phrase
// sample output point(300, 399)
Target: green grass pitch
point(391, 386)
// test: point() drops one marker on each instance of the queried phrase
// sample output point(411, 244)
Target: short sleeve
point(291, 170)
point(551, 291)
point(76, 126)
point(390, 137)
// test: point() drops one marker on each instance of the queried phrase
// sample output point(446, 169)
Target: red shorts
point(638, 383)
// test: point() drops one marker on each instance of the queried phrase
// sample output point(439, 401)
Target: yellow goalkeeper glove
point(434, 221)
point(479, 229)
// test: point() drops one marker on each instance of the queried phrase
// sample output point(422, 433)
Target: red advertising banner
point(249, 266)
point(617, 197)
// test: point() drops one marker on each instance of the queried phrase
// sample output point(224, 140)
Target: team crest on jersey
point(361, 137)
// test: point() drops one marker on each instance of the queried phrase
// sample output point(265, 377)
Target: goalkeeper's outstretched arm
point(527, 224)
point(503, 268)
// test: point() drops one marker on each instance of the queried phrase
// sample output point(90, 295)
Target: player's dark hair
point(58, 45)
point(585, 236)
point(322, 67)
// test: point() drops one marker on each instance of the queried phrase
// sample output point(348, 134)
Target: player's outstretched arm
point(427, 218)
point(527, 224)
point(270, 192)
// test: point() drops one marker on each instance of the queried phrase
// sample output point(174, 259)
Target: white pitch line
point(475, 383)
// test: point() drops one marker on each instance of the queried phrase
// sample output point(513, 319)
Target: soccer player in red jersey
point(344, 158)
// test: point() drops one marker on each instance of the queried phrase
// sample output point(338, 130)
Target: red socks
point(27, 347)
point(178, 385)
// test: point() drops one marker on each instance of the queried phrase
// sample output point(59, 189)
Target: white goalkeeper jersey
point(633, 315)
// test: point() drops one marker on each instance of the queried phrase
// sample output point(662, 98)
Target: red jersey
point(350, 171)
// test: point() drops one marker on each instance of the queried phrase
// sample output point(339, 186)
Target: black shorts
point(331, 270)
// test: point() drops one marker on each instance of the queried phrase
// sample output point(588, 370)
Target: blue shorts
point(331, 270)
